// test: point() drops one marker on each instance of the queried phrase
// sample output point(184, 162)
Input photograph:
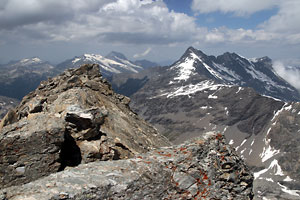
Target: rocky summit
point(204, 168)
point(70, 119)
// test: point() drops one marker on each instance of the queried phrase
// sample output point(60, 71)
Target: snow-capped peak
point(186, 68)
point(29, 61)
point(233, 69)
point(108, 66)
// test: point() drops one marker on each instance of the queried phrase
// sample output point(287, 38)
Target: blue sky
point(157, 30)
point(219, 19)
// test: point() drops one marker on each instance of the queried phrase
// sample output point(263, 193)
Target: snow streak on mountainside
point(232, 69)
point(113, 63)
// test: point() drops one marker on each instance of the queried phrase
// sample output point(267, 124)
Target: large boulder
point(70, 119)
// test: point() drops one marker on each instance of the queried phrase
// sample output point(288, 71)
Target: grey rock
point(153, 175)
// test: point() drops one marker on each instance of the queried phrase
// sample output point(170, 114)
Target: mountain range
point(242, 98)
point(18, 78)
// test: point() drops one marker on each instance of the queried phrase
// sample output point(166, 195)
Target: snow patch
point(76, 60)
point(291, 192)
point(288, 179)
point(231, 142)
point(211, 71)
point(239, 89)
point(268, 153)
point(191, 89)
point(288, 108)
point(241, 144)
point(278, 112)
point(212, 97)
point(186, 68)
point(250, 151)
point(274, 166)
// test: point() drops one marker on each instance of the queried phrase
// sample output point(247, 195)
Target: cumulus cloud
point(238, 7)
point(118, 21)
point(138, 55)
point(142, 23)
point(287, 19)
point(290, 74)
point(282, 27)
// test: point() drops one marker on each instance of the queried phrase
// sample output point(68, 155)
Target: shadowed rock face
point(70, 119)
point(203, 168)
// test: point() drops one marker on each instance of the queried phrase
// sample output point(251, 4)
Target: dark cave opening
point(70, 154)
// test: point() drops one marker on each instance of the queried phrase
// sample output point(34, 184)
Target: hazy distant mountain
point(114, 63)
point(6, 103)
point(201, 93)
point(146, 63)
point(18, 78)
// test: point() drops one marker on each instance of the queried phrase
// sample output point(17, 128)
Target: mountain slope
point(21, 77)
point(200, 93)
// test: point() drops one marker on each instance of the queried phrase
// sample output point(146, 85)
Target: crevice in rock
point(98, 136)
point(122, 146)
point(121, 152)
point(70, 154)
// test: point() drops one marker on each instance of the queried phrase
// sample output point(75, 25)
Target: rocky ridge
point(204, 168)
point(70, 119)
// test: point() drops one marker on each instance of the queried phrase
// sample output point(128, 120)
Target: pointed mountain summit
point(233, 69)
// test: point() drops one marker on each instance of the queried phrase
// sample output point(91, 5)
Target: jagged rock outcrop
point(70, 119)
point(204, 168)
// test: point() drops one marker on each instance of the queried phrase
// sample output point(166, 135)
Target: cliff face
point(70, 119)
point(204, 168)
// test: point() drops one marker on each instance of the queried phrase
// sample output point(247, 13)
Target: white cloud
point(287, 19)
point(138, 24)
point(116, 21)
point(142, 54)
point(290, 74)
point(283, 27)
point(238, 7)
